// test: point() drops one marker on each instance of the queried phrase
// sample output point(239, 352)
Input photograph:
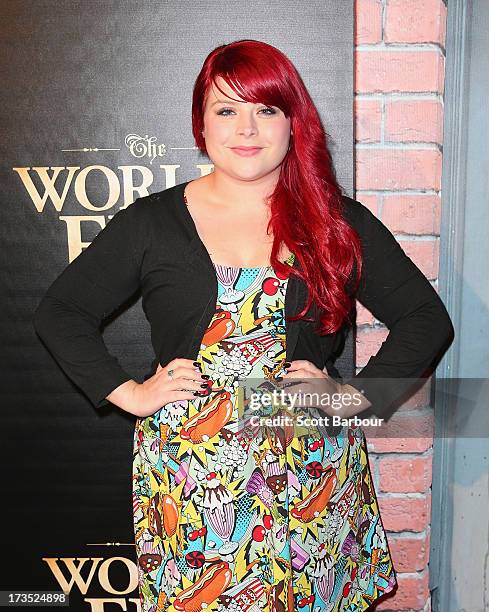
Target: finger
point(309, 371)
point(184, 395)
point(293, 385)
point(192, 373)
point(300, 372)
point(300, 363)
point(183, 372)
point(186, 363)
point(183, 384)
point(305, 365)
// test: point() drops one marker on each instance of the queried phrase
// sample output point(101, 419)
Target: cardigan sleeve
point(89, 289)
point(398, 294)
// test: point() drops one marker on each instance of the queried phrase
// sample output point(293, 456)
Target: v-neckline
point(193, 225)
point(295, 296)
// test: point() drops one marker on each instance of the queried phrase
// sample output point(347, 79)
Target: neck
point(240, 194)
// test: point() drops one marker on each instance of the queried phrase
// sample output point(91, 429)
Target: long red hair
point(306, 207)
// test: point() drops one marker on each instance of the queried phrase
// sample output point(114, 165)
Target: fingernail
point(205, 376)
point(196, 364)
point(287, 364)
point(279, 378)
point(204, 385)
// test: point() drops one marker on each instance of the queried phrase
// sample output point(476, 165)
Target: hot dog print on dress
point(229, 521)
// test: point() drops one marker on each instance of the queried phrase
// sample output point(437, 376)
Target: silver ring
point(170, 373)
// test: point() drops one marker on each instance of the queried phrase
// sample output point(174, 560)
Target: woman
point(250, 272)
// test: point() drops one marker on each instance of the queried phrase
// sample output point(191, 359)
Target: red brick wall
point(399, 80)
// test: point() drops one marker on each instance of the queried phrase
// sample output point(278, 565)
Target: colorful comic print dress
point(228, 521)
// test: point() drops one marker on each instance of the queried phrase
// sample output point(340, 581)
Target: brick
point(425, 254)
point(409, 554)
point(412, 214)
point(421, 398)
point(403, 433)
point(411, 594)
point(419, 401)
point(398, 169)
point(368, 343)
point(405, 475)
point(367, 22)
point(414, 121)
point(403, 71)
point(415, 21)
point(403, 513)
point(398, 445)
point(370, 201)
point(443, 28)
point(368, 117)
point(364, 317)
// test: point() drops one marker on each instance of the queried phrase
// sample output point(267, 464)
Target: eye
point(271, 110)
point(268, 110)
point(223, 111)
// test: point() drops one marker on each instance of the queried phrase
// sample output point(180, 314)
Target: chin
point(250, 176)
point(251, 171)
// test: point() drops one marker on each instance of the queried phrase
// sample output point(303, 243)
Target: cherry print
point(258, 533)
point(270, 286)
point(268, 521)
point(193, 535)
point(316, 444)
point(306, 600)
point(280, 275)
point(259, 529)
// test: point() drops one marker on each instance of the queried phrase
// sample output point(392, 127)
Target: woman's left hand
point(335, 398)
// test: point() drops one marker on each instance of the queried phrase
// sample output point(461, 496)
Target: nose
point(246, 125)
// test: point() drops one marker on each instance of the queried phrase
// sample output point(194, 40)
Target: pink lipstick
point(246, 151)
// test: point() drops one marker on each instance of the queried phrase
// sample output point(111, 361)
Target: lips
point(246, 151)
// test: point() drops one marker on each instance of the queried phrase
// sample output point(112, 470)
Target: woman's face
point(229, 125)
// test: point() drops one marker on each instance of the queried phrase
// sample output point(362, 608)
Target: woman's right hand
point(160, 389)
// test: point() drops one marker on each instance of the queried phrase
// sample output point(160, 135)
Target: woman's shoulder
point(363, 220)
point(160, 202)
point(354, 211)
point(161, 215)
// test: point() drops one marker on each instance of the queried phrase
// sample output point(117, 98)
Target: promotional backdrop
point(96, 111)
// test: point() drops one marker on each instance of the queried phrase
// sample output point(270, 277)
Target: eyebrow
point(224, 102)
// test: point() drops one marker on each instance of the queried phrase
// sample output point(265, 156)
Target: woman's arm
point(398, 294)
point(100, 279)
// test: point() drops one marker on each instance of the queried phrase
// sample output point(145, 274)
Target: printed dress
point(228, 520)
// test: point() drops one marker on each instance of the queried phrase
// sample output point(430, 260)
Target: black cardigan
point(153, 246)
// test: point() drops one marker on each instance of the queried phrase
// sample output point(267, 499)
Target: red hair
point(306, 206)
